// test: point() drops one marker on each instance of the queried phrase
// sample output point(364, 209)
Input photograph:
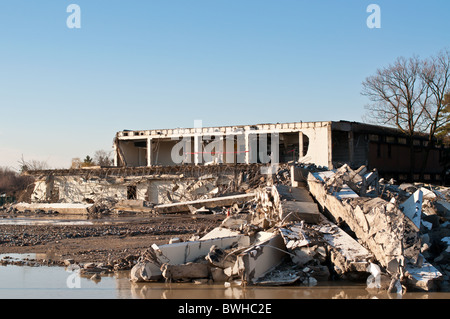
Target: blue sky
point(151, 64)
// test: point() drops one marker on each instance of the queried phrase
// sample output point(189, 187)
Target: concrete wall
point(77, 189)
point(134, 156)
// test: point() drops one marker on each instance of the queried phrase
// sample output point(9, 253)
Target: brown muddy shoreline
point(102, 242)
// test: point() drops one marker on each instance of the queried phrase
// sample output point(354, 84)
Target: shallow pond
point(36, 282)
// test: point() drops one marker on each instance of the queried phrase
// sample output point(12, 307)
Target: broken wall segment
point(323, 241)
point(392, 235)
point(258, 260)
point(61, 208)
point(380, 225)
point(295, 203)
point(177, 254)
point(207, 203)
point(157, 185)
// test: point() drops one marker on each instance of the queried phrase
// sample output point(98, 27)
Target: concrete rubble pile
point(104, 191)
point(320, 225)
point(390, 222)
point(292, 224)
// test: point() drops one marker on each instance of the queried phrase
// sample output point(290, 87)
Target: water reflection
point(52, 283)
point(66, 220)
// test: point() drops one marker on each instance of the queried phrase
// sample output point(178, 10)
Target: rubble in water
point(355, 226)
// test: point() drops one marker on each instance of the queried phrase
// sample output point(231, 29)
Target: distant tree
point(88, 161)
point(103, 158)
point(32, 165)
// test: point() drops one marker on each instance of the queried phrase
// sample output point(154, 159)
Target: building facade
point(328, 144)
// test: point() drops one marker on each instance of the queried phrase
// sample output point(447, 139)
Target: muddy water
point(17, 282)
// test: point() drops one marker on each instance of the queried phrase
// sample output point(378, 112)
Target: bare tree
point(13, 183)
point(444, 131)
point(103, 158)
point(436, 75)
point(32, 165)
point(398, 94)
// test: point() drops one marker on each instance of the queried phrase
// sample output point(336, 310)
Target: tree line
point(101, 158)
point(12, 182)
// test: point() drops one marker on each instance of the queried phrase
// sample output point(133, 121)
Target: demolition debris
point(298, 226)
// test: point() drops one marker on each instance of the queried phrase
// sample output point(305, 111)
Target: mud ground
point(103, 243)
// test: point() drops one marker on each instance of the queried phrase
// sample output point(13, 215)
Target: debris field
point(298, 225)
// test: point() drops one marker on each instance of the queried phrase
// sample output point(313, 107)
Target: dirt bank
point(103, 242)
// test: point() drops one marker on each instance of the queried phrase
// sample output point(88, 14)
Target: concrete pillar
point(116, 156)
point(300, 145)
point(149, 151)
point(330, 146)
point(247, 148)
point(197, 149)
point(351, 150)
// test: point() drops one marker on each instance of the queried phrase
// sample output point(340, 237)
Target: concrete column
point(300, 145)
point(247, 148)
point(116, 156)
point(351, 150)
point(197, 149)
point(330, 146)
point(149, 151)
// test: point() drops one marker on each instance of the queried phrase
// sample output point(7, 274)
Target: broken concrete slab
point(412, 207)
point(256, 261)
point(424, 277)
point(346, 254)
point(186, 271)
point(182, 253)
point(289, 193)
point(443, 208)
point(218, 274)
point(378, 224)
point(389, 234)
point(62, 208)
point(279, 278)
point(207, 203)
point(295, 204)
point(133, 206)
point(236, 221)
point(297, 243)
point(341, 191)
point(220, 258)
point(220, 232)
point(295, 211)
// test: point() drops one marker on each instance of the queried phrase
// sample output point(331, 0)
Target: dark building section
point(387, 150)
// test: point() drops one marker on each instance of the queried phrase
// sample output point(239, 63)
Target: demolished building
point(329, 144)
point(147, 162)
point(309, 204)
